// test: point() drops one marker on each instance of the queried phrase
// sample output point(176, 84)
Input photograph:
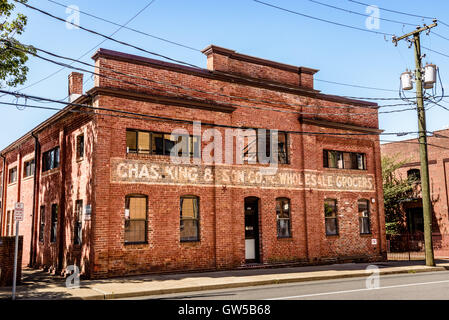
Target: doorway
point(252, 254)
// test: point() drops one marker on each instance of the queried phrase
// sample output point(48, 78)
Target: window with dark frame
point(50, 159)
point(252, 154)
point(80, 147)
point(28, 168)
point(283, 217)
point(344, 160)
point(330, 216)
point(136, 207)
point(42, 224)
point(281, 150)
point(12, 175)
point(414, 175)
point(189, 218)
point(78, 228)
point(157, 143)
point(54, 222)
point(364, 215)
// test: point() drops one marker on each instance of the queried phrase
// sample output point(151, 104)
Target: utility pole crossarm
point(417, 31)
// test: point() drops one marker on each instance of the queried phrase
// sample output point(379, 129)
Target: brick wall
point(103, 251)
point(7, 249)
point(438, 156)
point(222, 243)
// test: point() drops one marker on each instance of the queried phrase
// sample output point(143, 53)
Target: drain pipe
point(3, 193)
point(35, 189)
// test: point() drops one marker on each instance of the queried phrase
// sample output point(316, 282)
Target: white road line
point(358, 290)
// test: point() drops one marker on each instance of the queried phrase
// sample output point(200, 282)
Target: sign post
point(18, 216)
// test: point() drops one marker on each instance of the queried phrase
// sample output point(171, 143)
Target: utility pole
point(425, 185)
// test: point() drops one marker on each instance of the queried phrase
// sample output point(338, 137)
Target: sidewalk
point(37, 284)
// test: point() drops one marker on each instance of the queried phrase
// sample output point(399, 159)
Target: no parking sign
point(18, 211)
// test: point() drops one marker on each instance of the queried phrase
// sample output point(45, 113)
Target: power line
point(320, 19)
point(168, 58)
point(354, 85)
point(357, 13)
point(367, 15)
point(401, 12)
point(90, 50)
point(105, 36)
point(232, 104)
point(162, 118)
point(434, 51)
point(412, 142)
point(394, 11)
point(87, 52)
point(128, 28)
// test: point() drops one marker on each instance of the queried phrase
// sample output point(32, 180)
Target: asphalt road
point(416, 286)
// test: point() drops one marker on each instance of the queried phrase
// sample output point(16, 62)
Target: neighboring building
point(438, 156)
point(103, 193)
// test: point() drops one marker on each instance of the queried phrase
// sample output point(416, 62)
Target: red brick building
point(104, 194)
point(438, 155)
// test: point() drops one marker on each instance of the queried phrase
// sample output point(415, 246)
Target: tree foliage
point(13, 54)
point(396, 189)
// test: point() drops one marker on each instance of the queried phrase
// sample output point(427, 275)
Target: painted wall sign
point(148, 172)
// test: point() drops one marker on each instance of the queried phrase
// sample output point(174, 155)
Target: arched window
point(283, 217)
point(364, 215)
point(136, 218)
point(414, 174)
point(190, 218)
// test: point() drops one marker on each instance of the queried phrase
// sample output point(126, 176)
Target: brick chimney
point(229, 61)
point(75, 86)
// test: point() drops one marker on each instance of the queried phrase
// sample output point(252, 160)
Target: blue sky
point(341, 54)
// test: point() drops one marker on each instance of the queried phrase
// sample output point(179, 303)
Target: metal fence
point(411, 246)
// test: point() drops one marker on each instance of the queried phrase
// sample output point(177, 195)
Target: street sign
point(18, 211)
point(18, 216)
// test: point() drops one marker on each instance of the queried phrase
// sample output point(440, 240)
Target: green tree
point(396, 189)
point(13, 54)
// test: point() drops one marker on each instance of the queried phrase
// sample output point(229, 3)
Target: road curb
point(248, 283)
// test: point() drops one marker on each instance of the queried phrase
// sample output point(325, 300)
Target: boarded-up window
point(189, 218)
point(144, 142)
point(131, 141)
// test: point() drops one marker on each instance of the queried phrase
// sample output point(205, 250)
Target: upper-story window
point(12, 175)
point(80, 147)
point(28, 168)
point(50, 159)
point(252, 143)
point(344, 160)
point(157, 143)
